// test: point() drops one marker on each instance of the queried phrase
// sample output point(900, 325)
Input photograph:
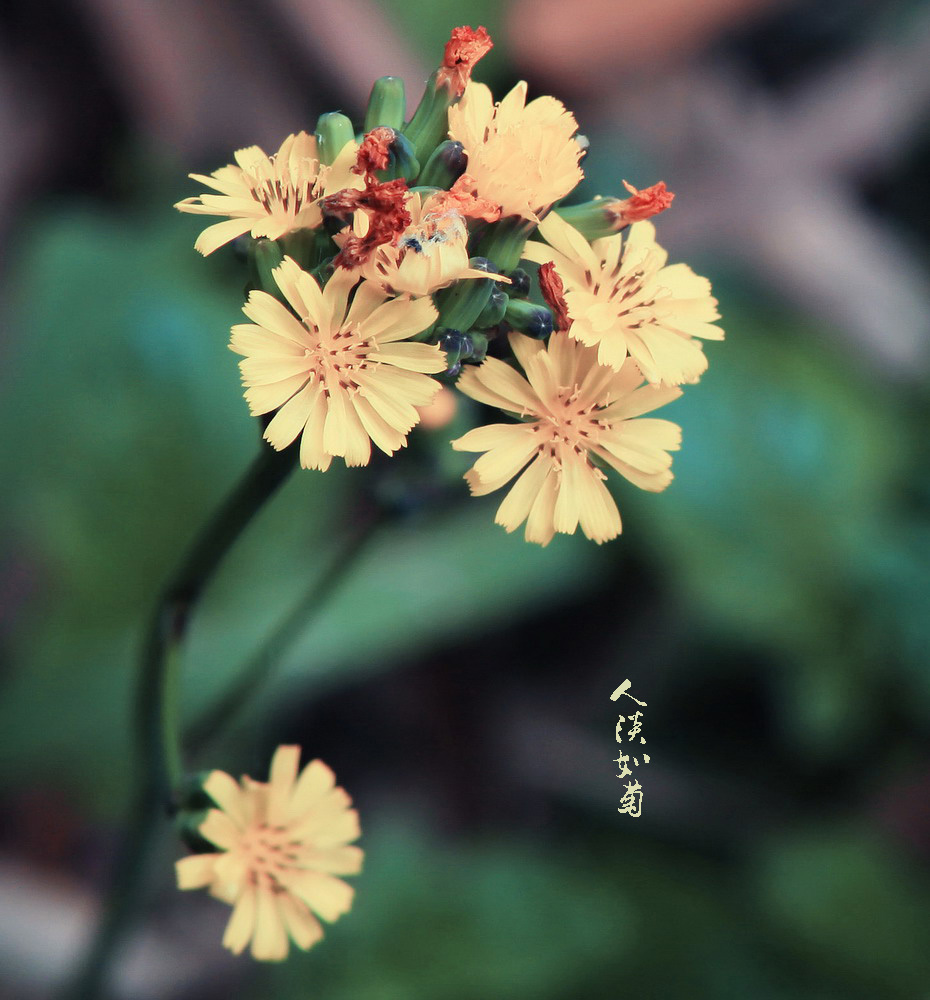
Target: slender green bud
point(333, 131)
point(493, 312)
point(387, 104)
point(430, 122)
point(461, 304)
point(266, 256)
point(445, 166)
point(529, 318)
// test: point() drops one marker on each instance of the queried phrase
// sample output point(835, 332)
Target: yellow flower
point(339, 378)
point(623, 298)
point(281, 842)
point(270, 195)
point(431, 253)
point(522, 157)
point(572, 409)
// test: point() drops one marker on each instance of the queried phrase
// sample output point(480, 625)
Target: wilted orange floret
point(550, 284)
point(642, 205)
point(375, 151)
point(462, 199)
point(387, 218)
point(465, 47)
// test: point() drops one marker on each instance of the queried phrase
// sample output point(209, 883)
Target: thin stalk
point(158, 750)
point(223, 714)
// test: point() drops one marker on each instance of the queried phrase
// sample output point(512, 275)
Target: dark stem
point(158, 751)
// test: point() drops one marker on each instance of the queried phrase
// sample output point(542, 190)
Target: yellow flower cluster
point(385, 264)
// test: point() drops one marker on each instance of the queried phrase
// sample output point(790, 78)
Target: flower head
point(522, 156)
point(573, 410)
point(338, 378)
point(465, 47)
point(623, 298)
point(432, 251)
point(269, 195)
point(281, 843)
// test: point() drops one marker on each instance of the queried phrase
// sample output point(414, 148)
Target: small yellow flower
point(270, 195)
point(572, 409)
point(281, 842)
point(624, 299)
point(431, 253)
point(522, 156)
point(338, 377)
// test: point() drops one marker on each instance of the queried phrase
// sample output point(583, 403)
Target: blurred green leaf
point(840, 900)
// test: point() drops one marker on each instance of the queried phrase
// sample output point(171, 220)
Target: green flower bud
point(430, 122)
point(333, 131)
point(387, 104)
point(529, 318)
point(493, 312)
point(445, 166)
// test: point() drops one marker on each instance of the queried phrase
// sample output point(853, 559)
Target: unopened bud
point(445, 166)
point(529, 318)
point(387, 104)
point(333, 131)
point(519, 283)
point(493, 312)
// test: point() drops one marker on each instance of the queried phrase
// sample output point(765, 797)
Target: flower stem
point(157, 727)
point(224, 713)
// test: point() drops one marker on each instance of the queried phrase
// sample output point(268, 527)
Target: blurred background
point(771, 607)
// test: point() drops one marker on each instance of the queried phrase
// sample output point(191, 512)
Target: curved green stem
point(157, 727)
point(224, 712)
